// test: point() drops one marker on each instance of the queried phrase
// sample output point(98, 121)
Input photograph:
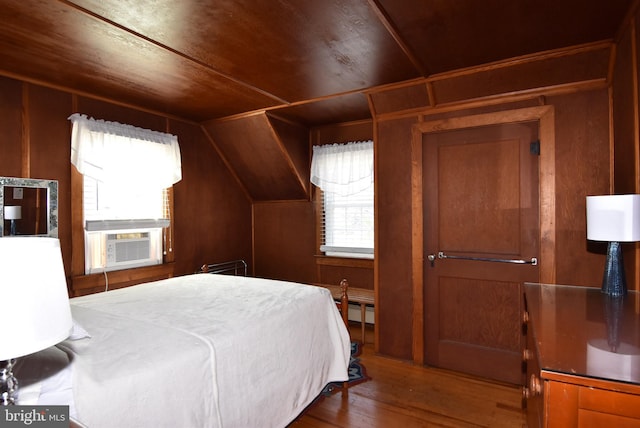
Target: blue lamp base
point(614, 282)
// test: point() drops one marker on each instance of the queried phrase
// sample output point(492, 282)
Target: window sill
point(344, 261)
point(94, 283)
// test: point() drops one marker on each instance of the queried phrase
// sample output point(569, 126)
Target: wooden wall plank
point(212, 213)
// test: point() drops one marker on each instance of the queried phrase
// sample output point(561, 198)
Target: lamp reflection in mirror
point(613, 219)
point(13, 213)
point(36, 310)
point(612, 357)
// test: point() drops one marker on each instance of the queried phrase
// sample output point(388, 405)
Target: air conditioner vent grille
point(128, 251)
point(127, 248)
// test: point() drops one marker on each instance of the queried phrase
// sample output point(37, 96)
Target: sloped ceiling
point(270, 157)
point(308, 60)
point(256, 74)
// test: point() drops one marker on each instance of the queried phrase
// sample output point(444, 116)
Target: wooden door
point(480, 195)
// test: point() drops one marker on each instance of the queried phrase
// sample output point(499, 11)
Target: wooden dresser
point(574, 377)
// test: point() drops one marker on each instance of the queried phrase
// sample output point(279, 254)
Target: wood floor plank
point(401, 394)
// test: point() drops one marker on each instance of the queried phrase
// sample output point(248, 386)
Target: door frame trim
point(545, 115)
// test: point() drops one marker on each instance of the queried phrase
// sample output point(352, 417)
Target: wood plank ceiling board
point(293, 49)
point(210, 59)
point(295, 143)
point(259, 157)
point(54, 43)
point(343, 108)
point(448, 35)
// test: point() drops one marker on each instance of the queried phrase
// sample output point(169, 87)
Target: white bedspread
point(205, 351)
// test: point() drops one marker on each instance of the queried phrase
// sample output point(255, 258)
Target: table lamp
point(35, 303)
point(614, 219)
point(13, 213)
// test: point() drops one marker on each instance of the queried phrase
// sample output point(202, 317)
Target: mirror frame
point(52, 200)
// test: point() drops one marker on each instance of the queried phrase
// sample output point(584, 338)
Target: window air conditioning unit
point(128, 249)
point(108, 250)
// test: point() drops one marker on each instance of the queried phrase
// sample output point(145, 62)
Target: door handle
point(432, 259)
point(533, 261)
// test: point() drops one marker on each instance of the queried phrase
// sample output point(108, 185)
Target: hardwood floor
point(404, 395)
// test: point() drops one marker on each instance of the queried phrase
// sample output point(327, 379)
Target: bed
point(201, 350)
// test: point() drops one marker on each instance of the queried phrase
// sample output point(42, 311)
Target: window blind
point(347, 224)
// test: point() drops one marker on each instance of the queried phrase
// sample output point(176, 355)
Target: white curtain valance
point(344, 169)
point(118, 153)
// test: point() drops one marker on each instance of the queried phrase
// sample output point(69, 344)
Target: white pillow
point(78, 332)
point(45, 378)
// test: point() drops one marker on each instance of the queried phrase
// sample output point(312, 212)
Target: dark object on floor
point(357, 372)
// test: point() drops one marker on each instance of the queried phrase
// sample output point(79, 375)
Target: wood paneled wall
point(215, 220)
point(285, 242)
point(33, 121)
point(626, 118)
point(212, 215)
point(625, 112)
point(574, 82)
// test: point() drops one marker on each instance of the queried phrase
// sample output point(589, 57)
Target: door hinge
point(534, 148)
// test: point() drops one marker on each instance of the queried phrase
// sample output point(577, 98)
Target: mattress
point(204, 350)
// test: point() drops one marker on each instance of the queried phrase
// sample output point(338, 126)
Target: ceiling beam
point(393, 31)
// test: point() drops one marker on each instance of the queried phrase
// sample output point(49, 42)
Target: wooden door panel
point(465, 301)
point(480, 202)
point(472, 194)
point(486, 363)
point(480, 329)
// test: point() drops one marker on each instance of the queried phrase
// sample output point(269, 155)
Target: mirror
point(28, 206)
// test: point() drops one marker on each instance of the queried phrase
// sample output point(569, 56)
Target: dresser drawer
point(591, 419)
point(611, 402)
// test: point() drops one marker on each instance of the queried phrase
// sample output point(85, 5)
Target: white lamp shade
point(33, 292)
point(12, 212)
point(613, 218)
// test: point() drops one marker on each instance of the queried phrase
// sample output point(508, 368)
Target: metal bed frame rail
point(235, 267)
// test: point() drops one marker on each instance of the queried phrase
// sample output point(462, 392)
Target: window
point(126, 175)
point(123, 226)
point(344, 172)
point(348, 224)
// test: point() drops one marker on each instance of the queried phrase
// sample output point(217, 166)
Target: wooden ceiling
point(306, 60)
